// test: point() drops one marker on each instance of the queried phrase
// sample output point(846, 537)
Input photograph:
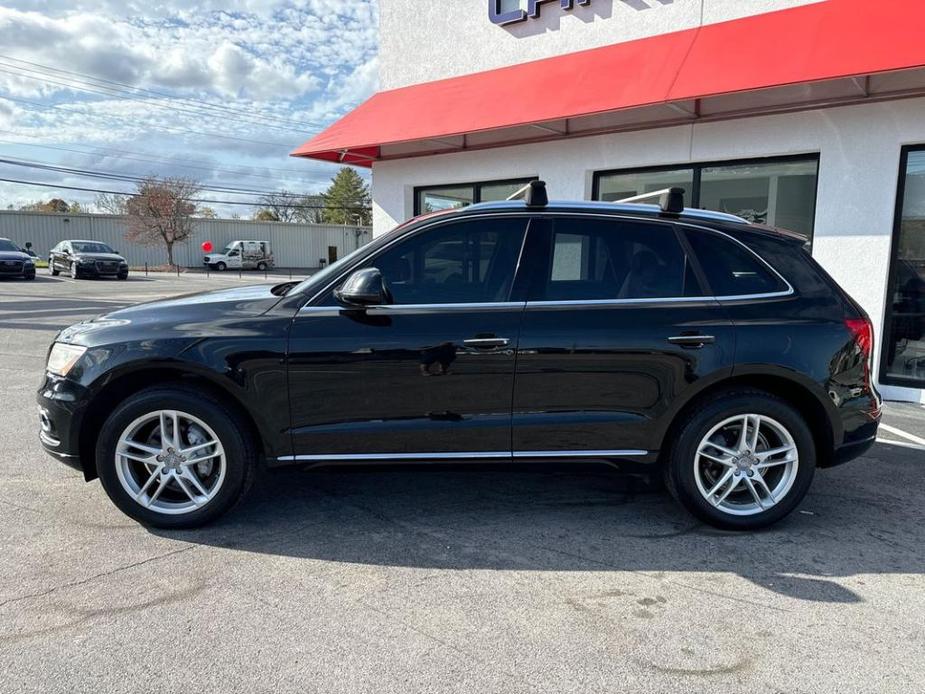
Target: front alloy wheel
point(174, 457)
point(170, 462)
point(74, 271)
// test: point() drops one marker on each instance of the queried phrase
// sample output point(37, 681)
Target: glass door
point(903, 360)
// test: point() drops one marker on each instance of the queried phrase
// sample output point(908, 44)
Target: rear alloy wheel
point(743, 462)
point(174, 459)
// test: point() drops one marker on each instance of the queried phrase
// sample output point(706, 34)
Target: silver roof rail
point(670, 200)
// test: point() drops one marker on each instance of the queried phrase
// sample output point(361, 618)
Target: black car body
point(502, 332)
point(14, 262)
point(86, 259)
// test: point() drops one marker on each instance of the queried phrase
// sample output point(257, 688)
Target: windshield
point(90, 247)
point(227, 249)
point(7, 245)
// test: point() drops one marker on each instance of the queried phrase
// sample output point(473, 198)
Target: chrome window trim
point(398, 309)
point(539, 213)
point(472, 455)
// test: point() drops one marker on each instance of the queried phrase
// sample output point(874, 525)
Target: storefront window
point(433, 199)
point(779, 192)
point(904, 340)
point(619, 186)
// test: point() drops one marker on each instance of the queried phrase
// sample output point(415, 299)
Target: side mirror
point(363, 288)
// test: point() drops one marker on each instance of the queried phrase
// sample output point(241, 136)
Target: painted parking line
point(903, 434)
point(901, 444)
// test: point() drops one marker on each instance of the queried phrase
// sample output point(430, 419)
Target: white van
point(244, 255)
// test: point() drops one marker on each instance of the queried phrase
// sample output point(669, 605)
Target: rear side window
point(595, 259)
point(730, 268)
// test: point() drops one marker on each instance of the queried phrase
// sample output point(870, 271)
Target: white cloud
point(267, 72)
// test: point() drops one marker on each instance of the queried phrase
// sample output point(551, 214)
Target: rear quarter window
point(731, 269)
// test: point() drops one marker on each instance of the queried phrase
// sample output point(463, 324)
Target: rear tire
point(741, 485)
point(262, 267)
point(185, 490)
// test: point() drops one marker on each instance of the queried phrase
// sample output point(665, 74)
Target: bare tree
point(111, 203)
point(311, 209)
point(161, 212)
point(278, 207)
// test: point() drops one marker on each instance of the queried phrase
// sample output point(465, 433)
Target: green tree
point(347, 200)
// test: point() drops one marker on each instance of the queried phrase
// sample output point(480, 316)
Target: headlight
point(28, 261)
point(62, 358)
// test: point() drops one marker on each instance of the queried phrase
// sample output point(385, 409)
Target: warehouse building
point(806, 114)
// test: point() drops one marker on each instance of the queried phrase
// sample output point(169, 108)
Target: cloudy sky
point(124, 88)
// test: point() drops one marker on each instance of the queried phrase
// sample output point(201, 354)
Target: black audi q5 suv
point(714, 351)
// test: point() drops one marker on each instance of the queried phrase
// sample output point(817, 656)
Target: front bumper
point(23, 271)
point(61, 408)
point(94, 271)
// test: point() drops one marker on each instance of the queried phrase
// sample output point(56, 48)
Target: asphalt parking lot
point(550, 579)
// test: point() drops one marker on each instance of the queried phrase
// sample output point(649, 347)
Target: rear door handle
point(486, 342)
point(692, 341)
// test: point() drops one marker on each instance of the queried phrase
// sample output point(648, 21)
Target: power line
point(92, 173)
point(343, 208)
point(91, 79)
point(145, 156)
point(167, 129)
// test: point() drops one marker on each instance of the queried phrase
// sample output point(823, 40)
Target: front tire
point(170, 457)
point(74, 272)
point(51, 268)
point(743, 461)
point(221, 267)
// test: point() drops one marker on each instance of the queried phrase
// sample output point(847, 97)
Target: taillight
point(863, 332)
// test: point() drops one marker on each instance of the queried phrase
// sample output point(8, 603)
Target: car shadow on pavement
point(561, 518)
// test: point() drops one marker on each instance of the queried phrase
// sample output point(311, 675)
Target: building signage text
point(500, 17)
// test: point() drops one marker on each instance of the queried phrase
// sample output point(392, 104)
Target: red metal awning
point(830, 52)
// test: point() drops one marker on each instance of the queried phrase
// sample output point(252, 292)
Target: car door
point(63, 257)
point(430, 374)
point(615, 330)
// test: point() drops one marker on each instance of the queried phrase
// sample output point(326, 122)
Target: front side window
point(904, 338)
point(731, 269)
point(463, 262)
point(592, 259)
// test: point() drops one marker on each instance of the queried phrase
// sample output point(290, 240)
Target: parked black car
point(14, 262)
point(716, 352)
point(86, 259)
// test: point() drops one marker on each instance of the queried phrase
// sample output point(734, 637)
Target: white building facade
point(771, 109)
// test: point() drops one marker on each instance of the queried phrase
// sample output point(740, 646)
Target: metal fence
point(294, 245)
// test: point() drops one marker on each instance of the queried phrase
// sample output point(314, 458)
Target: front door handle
point(486, 342)
point(692, 341)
